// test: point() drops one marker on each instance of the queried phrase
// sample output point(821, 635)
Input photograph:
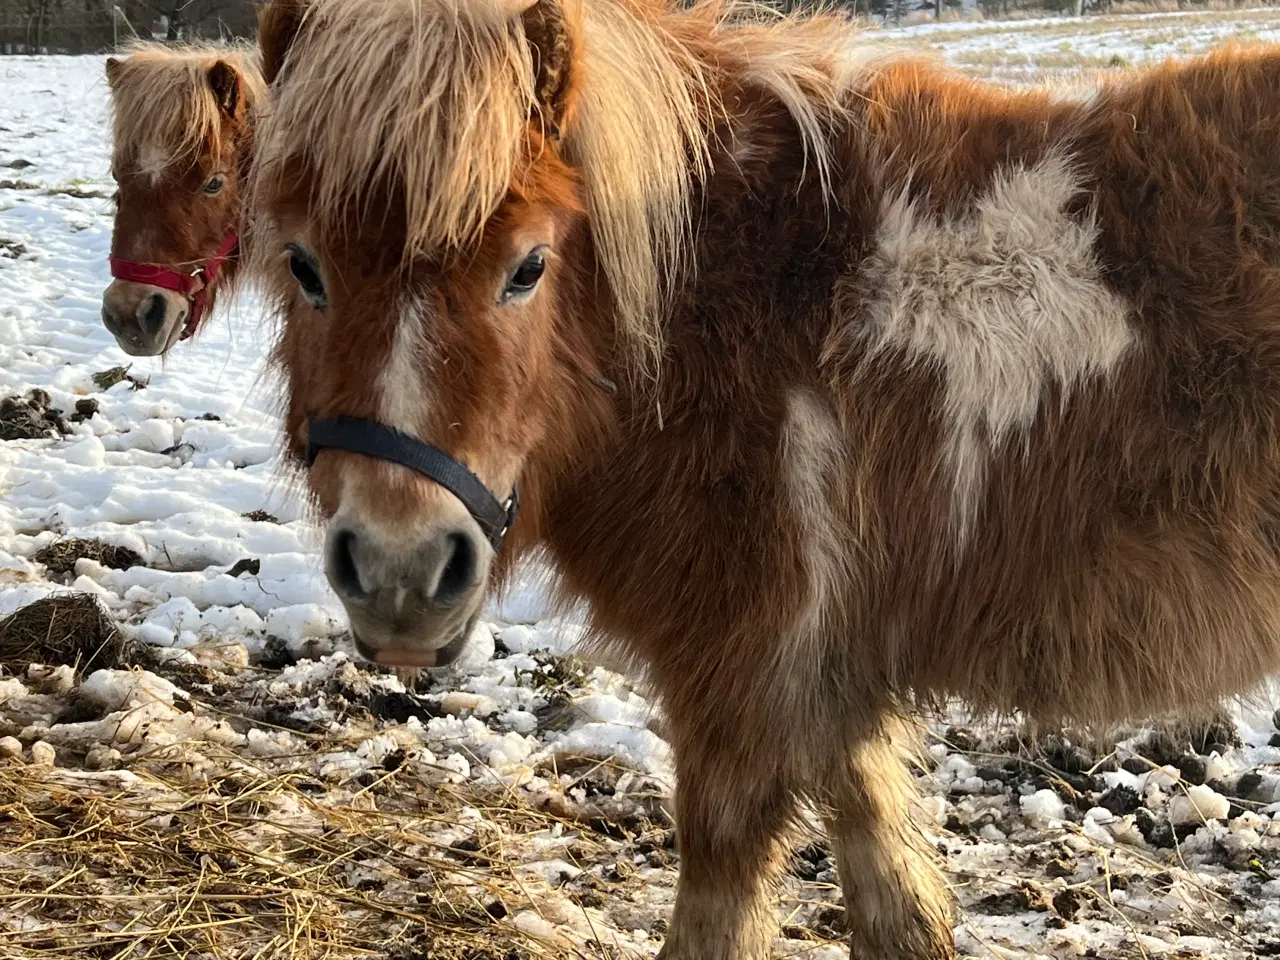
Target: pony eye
point(304, 269)
point(212, 187)
point(526, 276)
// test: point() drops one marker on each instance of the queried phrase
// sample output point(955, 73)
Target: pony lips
point(405, 657)
point(417, 658)
point(381, 442)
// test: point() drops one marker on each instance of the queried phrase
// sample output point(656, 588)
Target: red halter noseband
point(194, 285)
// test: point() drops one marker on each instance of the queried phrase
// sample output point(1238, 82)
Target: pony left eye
point(526, 276)
point(212, 187)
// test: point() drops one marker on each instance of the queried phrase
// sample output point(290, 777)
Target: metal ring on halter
point(193, 285)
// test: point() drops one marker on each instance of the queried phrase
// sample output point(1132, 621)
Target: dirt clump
point(32, 417)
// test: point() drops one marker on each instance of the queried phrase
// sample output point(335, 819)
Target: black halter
point(386, 443)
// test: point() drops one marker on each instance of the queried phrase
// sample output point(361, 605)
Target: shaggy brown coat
point(936, 389)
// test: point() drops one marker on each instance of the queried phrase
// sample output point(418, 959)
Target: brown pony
point(830, 381)
point(183, 142)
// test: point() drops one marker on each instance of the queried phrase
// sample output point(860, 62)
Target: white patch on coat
point(1002, 302)
point(154, 159)
point(811, 455)
point(403, 391)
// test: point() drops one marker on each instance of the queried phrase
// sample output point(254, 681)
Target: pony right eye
point(525, 278)
point(306, 271)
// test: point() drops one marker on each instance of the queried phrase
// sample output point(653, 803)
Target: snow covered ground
point(233, 753)
point(1069, 48)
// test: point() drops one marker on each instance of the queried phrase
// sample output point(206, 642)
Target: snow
point(253, 673)
point(113, 689)
point(535, 926)
point(1065, 48)
point(43, 754)
point(1200, 803)
point(12, 689)
point(1043, 805)
point(89, 452)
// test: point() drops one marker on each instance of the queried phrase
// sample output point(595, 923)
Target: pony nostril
point(151, 314)
point(343, 573)
point(458, 575)
point(109, 321)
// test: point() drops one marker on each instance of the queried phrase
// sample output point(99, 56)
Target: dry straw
point(64, 628)
point(256, 864)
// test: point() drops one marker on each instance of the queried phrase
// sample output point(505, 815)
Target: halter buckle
point(510, 507)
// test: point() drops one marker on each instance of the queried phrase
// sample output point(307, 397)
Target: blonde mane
point(436, 96)
point(163, 109)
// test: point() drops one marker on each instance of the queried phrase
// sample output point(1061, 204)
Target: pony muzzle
point(412, 601)
point(145, 320)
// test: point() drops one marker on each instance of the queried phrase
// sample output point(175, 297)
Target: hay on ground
point(125, 864)
point(107, 379)
point(61, 555)
point(65, 628)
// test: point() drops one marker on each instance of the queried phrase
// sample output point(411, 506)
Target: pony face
point(428, 294)
point(182, 140)
point(454, 351)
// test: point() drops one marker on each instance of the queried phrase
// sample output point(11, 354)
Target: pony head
point(457, 234)
point(182, 141)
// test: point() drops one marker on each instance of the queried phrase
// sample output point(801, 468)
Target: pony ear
point(224, 80)
point(552, 40)
point(278, 25)
point(113, 71)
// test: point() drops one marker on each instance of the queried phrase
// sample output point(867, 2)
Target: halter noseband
point(381, 442)
point(194, 285)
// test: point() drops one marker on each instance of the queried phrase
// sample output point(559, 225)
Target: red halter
point(194, 285)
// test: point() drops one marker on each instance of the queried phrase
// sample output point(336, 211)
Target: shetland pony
point(182, 145)
point(830, 380)
point(183, 120)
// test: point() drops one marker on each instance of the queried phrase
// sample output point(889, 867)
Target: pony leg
point(896, 901)
point(729, 824)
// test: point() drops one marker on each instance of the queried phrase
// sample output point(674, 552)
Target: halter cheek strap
point(194, 285)
point(377, 440)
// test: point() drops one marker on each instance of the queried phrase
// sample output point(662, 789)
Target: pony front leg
point(896, 901)
point(729, 823)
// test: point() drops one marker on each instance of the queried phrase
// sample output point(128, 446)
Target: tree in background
point(96, 26)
